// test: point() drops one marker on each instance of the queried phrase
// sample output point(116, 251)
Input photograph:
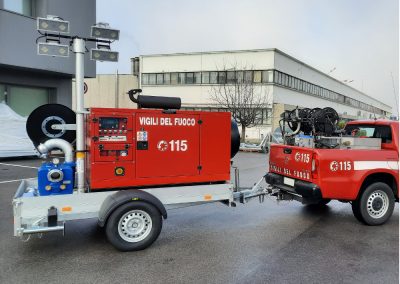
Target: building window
point(264, 76)
point(239, 76)
point(269, 116)
point(284, 78)
point(231, 77)
point(135, 66)
point(248, 76)
point(181, 78)
point(167, 78)
point(197, 78)
point(264, 116)
point(174, 78)
point(145, 79)
point(213, 77)
point(2, 93)
point(152, 79)
point(276, 77)
point(160, 79)
point(308, 87)
point(189, 78)
point(257, 77)
point(23, 7)
point(300, 85)
point(205, 77)
point(222, 77)
point(23, 100)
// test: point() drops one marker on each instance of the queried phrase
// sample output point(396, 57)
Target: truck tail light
point(314, 166)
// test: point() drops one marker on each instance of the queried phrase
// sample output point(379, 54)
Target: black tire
point(138, 214)
point(355, 207)
point(375, 204)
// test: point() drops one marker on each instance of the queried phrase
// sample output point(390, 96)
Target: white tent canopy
point(14, 141)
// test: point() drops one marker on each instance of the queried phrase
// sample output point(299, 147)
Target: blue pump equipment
point(55, 178)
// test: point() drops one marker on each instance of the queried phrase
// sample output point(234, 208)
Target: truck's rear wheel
point(375, 204)
point(134, 226)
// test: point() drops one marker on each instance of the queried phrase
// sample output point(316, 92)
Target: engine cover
point(145, 147)
point(56, 179)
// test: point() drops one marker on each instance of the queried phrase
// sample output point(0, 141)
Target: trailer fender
point(119, 198)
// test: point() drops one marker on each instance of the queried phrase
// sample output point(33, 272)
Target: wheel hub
point(377, 204)
point(134, 226)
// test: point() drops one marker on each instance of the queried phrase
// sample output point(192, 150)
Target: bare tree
point(244, 98)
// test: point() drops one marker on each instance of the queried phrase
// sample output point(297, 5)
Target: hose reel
point(315, 121)
point(41, 122)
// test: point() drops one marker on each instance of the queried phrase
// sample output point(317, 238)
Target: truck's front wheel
point(375, 204)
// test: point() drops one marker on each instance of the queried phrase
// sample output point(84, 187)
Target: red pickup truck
point(368, 178)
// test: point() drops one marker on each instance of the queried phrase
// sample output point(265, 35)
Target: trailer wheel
point(375, 204)
point(134, 226)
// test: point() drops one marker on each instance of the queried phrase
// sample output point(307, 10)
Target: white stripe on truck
point(370, 165)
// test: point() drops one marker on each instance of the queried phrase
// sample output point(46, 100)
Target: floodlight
point(102, 30)
point(52, 24)
point(103, 55)
point(53, 49)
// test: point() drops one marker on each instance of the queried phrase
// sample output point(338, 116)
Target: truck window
point(370, 131)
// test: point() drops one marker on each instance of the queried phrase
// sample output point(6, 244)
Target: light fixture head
point(52, 24)
point(103, 31)
point(52, 49)
point(103, 55)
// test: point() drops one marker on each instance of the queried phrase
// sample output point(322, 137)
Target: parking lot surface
point(270, 242)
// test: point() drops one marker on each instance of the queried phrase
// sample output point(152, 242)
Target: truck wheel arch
point(113, 201)
point(384, 177)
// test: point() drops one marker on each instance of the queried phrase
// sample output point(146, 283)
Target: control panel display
point(109, 123)
point(113, 129)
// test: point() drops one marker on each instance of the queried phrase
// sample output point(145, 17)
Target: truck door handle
point(287, 151)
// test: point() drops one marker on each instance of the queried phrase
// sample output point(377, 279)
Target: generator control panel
point(113, 129)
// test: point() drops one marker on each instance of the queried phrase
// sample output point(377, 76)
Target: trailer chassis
point(43, 214)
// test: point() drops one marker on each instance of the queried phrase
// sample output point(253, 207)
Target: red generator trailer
point(136, 164)
point(148, 147)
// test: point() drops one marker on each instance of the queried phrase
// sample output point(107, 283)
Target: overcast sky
point(358, 37)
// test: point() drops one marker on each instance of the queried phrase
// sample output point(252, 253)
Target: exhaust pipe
point(66, 147)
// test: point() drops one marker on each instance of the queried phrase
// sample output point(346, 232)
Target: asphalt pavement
point(270, 242)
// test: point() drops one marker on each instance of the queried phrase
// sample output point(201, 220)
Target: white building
point(286, 81)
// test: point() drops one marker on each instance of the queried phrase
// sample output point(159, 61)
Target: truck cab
point(359, 166)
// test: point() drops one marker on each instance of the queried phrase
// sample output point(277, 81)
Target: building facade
point(108, 91)
point(286, 81)
point(28, 80)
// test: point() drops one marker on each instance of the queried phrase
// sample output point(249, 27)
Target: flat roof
point(264, 50)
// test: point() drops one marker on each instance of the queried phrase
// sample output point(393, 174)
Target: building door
point(23, 100)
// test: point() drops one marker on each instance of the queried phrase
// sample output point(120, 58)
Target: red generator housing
point(146, 147)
